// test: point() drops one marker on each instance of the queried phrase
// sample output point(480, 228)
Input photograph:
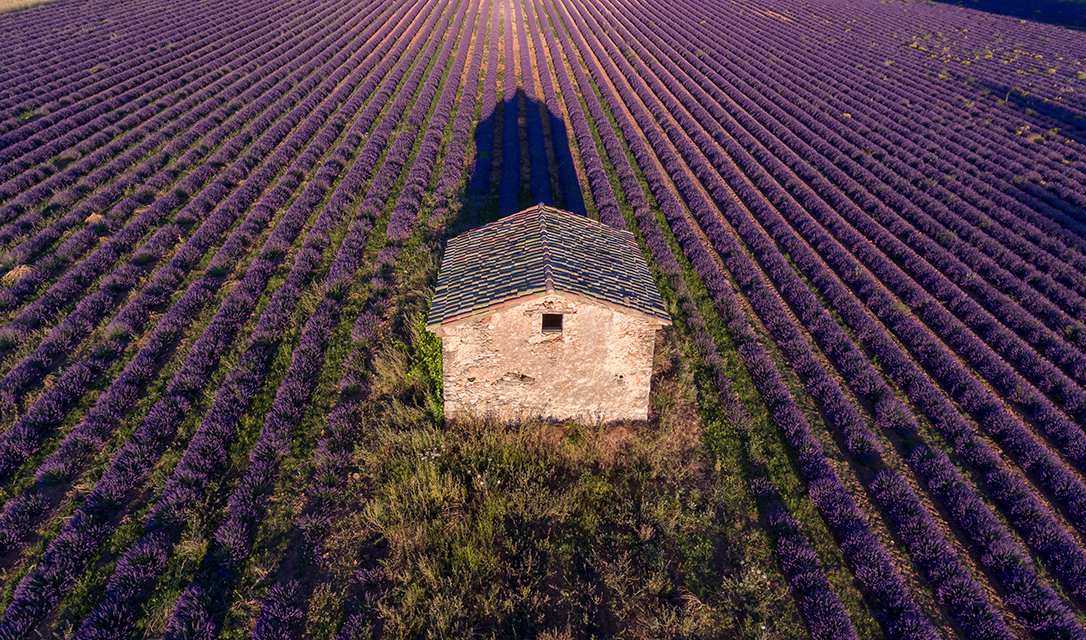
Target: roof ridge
point(548, 272)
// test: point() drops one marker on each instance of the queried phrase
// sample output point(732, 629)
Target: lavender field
point(221, 222)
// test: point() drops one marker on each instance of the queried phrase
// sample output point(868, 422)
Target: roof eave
point(438, 328)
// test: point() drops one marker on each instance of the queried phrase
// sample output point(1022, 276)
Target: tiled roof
point(538, 251)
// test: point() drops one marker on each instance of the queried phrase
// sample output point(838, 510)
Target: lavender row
point(981, 220)
point(279, 616)
point(96, 427)
point(1050, 471)
point(49, 303)
point(779, 71)
point(982, 150)
point(199, 607)
point(826, 615)
point(65, 336)
point(484, 134)
point(810, 204)
point(826, 144)
point(864, 378)
point(1050, 378)
point(970, 607)
point(453, 164)
point(405, 215)
point(238, 81)
point(32, 71)
point(107, 102)
point(836, 292)
point(509, 187)
point(326, 492)
point(1051, 40)
point(902, 198)
point(99, 180)
point(41, 310)
point(1042, 117)
point(130, 67)
point(689, 140)
point(602, 195)
point(917, 78)
point(1054, 543)
point(332, 460)
point(332, 455)
point(194, 614)
point(955, 586)
point(24, 438)
point(871, 563)
point(91, 433)
point(822, 608)
point(126, 112)
point(572, 200)
point(37, 312)
point(1001, 555)
point(1008, 428)
point(1006, 309)
point(36, 53)
point(40, 84)
point(103, 159)
point(820, 605)
point(206, 452)
point(539, 176)
point(19, 514)
point(39, 590)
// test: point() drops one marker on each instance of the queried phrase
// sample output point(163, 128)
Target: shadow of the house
point(514, 169)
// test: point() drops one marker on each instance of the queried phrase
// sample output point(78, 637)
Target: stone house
point(546, 313)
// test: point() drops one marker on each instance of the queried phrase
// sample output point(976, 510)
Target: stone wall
point(598, 368)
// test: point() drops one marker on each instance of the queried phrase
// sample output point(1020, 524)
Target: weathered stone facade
point(546, 313)
point(597, 368)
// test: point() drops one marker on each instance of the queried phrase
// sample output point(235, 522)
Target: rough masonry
point(546, 314)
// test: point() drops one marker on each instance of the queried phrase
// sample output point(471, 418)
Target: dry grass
point(15, 275)
point(15, 5)
point(542, 529)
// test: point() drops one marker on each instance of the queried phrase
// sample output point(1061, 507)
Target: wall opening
point(552, 323)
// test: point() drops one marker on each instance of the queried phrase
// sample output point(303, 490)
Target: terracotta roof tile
point(538, 250)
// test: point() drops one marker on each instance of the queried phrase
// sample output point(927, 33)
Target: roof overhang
point(438, 328)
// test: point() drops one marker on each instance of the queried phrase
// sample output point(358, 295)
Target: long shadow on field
point(1064, 13)
point(504, 159)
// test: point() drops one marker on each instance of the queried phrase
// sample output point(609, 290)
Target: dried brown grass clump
point(13, 277)
point(12, 5)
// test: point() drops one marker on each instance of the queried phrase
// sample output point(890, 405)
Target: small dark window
point(552, 323)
